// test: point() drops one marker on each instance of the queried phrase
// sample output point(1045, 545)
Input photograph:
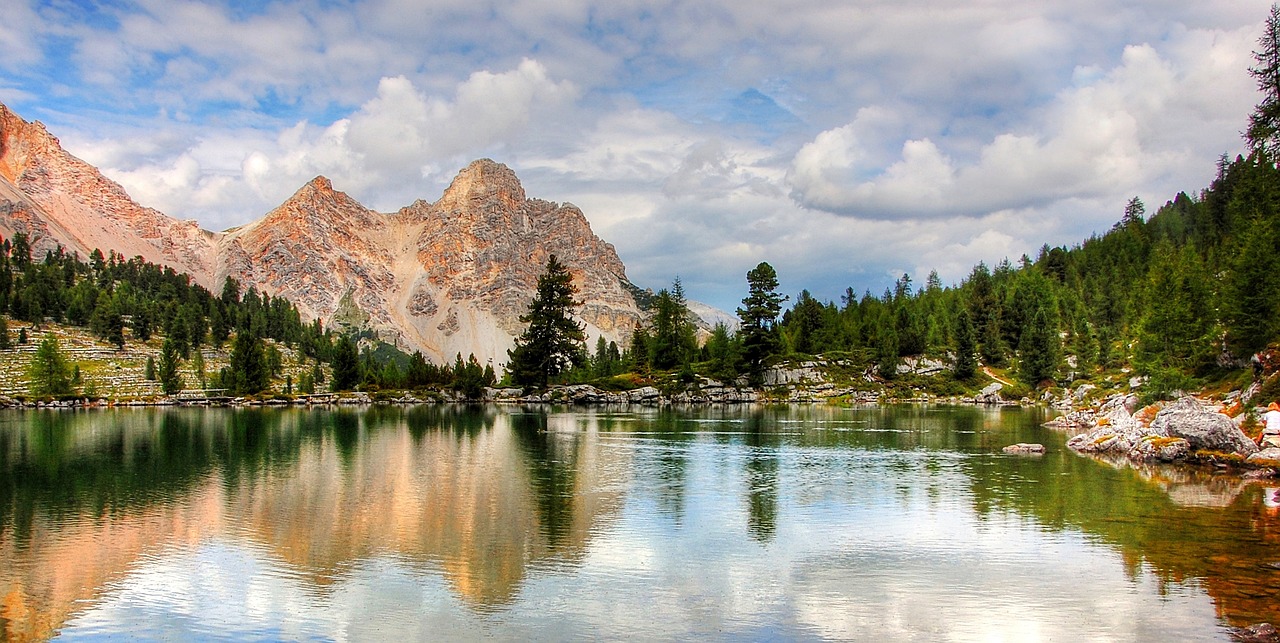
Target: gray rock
point(1202, 428)
point(1269, 453)
point(644, 394)
point(1159, 449)
point(1023, 448)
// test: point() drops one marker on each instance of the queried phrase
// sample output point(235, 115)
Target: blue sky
point(845, 143)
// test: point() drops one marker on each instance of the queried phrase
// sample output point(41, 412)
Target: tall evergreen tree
point(758, 315)
point(167, 372)
point(966, 347)
point(248, 365)
point(1264, 124)
point(553, 341)
point(346, 365)
point(1040, 348)
point(48, 371)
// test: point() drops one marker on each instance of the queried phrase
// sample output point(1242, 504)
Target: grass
point(118, 374)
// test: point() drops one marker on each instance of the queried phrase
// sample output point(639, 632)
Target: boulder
point(644, 394)
point(1159, 449)
point(1202, 428)
point(1023, 448)
point(990, 394)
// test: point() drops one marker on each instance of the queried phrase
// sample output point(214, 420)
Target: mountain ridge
point(444, 277)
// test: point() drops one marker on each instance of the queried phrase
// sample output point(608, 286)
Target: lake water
point(459, 523)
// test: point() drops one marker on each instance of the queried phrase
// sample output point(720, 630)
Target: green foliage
point(248, 368)
point(966, 347)
point(167, 372)
point(674, 335)
point(149, 373)
point(758, 314)
point(553, 341)
point(346, 365)
point(1264, 124)
point(49, 373)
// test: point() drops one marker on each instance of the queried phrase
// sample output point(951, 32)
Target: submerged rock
point(1024, 448)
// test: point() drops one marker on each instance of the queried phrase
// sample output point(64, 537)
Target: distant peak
point(321, 183)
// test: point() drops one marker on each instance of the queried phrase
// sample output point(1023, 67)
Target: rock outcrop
point(448, 277)
point(1174, 433)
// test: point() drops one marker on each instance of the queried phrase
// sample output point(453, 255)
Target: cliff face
point(448, 277)
point(59, 199)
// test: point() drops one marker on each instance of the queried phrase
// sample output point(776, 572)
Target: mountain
point(58, 199)
point(447, 277)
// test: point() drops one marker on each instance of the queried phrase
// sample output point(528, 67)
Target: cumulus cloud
point(894, 137)
point(1103, 137)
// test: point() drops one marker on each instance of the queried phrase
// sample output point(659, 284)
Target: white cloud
point(1108, 137)
point(941, 133)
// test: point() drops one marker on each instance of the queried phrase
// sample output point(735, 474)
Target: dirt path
point(993, 376)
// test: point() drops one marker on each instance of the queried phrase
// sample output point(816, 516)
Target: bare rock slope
point(58, 199)
point(447, 277)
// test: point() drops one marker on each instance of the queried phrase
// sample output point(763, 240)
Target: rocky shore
point(808, 382)
point(1184, 430)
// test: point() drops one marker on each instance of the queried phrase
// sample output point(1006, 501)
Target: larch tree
point(1263, 134)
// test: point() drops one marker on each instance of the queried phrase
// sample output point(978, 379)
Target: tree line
point(108, 294)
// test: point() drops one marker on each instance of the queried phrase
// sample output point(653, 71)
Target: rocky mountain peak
point(484, 184)
point(447, 277)
point(20, 141)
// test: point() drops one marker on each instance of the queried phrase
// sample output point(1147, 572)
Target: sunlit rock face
point(445, 278)
point(59, 199)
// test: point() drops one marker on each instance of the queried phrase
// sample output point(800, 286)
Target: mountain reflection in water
point(428, 521)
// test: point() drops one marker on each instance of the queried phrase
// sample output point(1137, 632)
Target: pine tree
point(149, 372)
point(4, 334)
point(758, 315)
point(887, 351)
point(553, 341)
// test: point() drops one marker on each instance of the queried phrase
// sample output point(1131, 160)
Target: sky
point(845, 143)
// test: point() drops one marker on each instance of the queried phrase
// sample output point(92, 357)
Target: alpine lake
point(451, 522)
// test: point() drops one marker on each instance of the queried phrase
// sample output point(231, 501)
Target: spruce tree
point(758, 315)
point(1040, 348)
point(4, 334)
point(553, 341)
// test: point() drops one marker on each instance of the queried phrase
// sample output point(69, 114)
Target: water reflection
point(554, 523)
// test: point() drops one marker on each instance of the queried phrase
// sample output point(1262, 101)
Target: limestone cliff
point(448, 277)
point(58, 199)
